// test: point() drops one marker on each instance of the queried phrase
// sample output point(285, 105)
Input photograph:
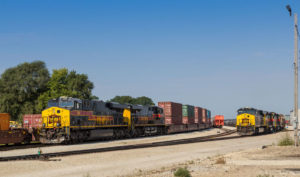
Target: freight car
point(72, 120)
point(33, 123)
point(230, 122)
point(10, 135)
point(251, 121)
point(218, 121)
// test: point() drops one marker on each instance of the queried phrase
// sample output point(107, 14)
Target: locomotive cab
point(249, 121)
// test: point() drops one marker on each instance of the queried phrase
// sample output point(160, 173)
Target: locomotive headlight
point(44, 125)
point(57, 124)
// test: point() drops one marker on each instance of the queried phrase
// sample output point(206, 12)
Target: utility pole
point(296, 79)
point(288, 7)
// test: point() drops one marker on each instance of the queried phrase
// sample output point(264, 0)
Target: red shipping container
point(172, 112)
point(204, 116)
point(32, 121)
point(196, 110)
point(198, 115)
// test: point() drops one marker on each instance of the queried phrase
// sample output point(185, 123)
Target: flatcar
point(73, 120)
point(251, 121)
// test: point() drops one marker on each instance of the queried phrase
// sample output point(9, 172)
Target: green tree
point(143, 100)
point(128, 99)
point(65, 83)
point(122, 99)
point(20, 87)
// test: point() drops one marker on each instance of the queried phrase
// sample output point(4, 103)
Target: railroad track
point(46, 156)
point(39, 145)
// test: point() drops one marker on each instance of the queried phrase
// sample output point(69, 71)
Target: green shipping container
point(188, 111)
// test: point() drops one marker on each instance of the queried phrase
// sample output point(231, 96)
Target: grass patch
point(221, 160)
point(182, 172)
point(286, 140)
point(191, 162)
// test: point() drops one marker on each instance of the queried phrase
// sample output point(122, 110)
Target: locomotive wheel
point(116, 134)
point(74, 137)
point(81, 137)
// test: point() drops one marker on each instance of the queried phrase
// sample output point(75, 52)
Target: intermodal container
point(32, 121)
point(188, 111)
point(204, 115)
point(4, 121)
point(208, 115)
point(198, 115)
point(172, 112)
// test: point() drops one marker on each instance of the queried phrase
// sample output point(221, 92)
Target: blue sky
point(217, 54)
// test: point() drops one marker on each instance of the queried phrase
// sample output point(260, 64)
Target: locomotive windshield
point(66, 102)
point(248, 111)
point(69, 104)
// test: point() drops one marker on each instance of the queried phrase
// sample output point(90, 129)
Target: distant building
point(288, 119)
point(292, 118)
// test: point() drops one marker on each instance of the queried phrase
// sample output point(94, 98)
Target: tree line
point(26, 88)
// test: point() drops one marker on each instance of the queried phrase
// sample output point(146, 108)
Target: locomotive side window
point(77, 105)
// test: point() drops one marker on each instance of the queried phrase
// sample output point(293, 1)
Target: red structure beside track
point(218, 121)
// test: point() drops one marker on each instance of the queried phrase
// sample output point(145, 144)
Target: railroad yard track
point(46, 156)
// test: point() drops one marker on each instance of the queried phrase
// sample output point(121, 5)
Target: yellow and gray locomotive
point(74, 120)
point(251, 121)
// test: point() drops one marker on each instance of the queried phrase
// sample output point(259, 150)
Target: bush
point(182, 172)
point(286, 140)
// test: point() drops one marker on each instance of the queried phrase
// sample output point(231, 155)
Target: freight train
point(72, 120)
point(251, 121)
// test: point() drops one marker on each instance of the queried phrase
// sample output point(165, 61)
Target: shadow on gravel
point(295, 170)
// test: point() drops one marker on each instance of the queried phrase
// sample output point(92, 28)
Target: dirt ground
point(233, 157)
point(272, 161)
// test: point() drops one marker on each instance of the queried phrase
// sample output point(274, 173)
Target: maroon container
point(204, 120)
point(32, 121)
point(196, 110)
point(172, 112)
point(198, 115)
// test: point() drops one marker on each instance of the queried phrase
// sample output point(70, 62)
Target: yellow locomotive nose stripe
point(54, 115)
point(245, 120)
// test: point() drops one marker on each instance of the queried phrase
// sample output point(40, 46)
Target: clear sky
point(217, 54)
